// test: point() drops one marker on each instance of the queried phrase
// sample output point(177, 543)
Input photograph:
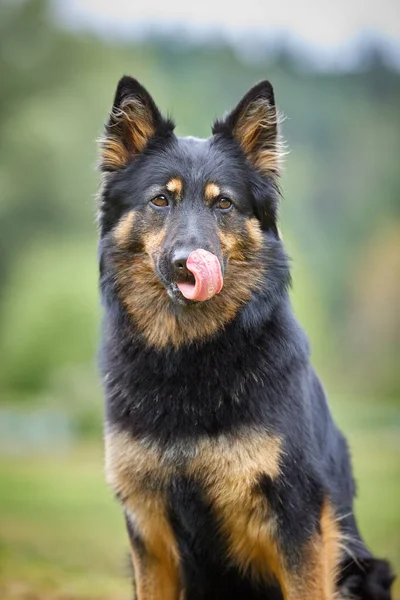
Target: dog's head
point(189, 227)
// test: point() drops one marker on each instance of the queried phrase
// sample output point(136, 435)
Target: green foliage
point(51, 312)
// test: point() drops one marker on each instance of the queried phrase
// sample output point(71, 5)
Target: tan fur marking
point(318, 577)
point(132, 468)
point(260, 119)
point(153, 241)
point(228, 242)
point(240, 247)
point(130, 130)
point(130, 462)
point(140, 127)
point(123, 230)
point(332, 553)
point(254, 231)
point(114, 153)
point(230, 467)
point(175, 186)
point(212, 191)
point(157, 574)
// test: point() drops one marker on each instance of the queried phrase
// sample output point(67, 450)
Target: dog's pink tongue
point(207, 273)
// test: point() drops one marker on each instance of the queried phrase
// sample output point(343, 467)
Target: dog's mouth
point(202, 279)
point(175, 293)
point(186, 288)
point(205, 276)
point(176, 296)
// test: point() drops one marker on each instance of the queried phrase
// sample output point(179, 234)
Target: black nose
point(180, 269)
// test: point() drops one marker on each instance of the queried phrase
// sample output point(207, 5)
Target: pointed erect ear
point(254, 124)
point(134, 119)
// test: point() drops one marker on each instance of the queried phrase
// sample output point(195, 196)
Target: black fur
point(254, 372)
point(368, 578)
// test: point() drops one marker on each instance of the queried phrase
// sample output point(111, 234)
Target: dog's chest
point(226, 468)
point(234, 462)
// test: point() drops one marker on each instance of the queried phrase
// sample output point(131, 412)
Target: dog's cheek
point(228, 243)
point(254, 234)
point(241, 241)
point(230, 234)
point(123, 230)
point(153, 241)
point(128, 233)
point(131, 264)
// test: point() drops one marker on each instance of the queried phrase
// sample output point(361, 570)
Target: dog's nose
point(179, 264)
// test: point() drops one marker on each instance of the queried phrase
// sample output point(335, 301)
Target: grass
point(62, 534)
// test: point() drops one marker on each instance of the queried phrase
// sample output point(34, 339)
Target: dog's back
point(234, 480)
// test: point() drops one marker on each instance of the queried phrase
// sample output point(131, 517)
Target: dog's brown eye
point(224, 203)
point(160, 201)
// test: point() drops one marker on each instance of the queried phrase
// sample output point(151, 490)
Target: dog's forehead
point(198, 161)
point(193, 155)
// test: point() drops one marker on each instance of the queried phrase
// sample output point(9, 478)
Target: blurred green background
point(61, 533)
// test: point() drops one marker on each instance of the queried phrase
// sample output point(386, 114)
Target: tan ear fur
point(254, 124)
point(133, 121)
point(129, 130)
point(257, 132)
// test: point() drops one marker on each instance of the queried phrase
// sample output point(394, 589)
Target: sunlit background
point(335, 67)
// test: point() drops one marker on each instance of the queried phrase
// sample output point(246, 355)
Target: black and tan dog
point(234, 480)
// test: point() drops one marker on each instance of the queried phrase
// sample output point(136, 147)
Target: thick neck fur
point(203, 388)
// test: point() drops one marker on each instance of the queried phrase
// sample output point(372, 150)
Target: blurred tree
point(374, 312)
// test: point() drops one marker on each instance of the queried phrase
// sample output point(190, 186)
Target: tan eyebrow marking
point(211, 191)
point(175, 186)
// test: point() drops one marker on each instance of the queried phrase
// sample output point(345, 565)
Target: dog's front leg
point(154, 558)
point(316, 574)
point(138, 477)
point(302, 561)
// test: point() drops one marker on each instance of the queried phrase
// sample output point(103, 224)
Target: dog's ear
point(134, 119)
point(254, 124)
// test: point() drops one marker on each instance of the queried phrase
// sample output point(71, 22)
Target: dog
point(234, 480)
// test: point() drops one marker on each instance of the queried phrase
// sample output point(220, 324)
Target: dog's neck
point(200, 387)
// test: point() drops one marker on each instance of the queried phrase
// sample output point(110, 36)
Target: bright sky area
point(324, 24)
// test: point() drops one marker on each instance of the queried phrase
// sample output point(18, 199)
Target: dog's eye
point(159, 201)
point(224, 204)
